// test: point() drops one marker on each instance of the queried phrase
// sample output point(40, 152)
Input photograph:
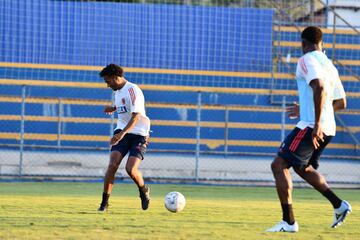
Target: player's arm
point(133, 120)
point(339, 104)
point(109, 109)
point(293, 110)
point(319, 97)
point(339, 101)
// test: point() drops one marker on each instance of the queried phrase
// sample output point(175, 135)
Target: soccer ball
point(174, 202)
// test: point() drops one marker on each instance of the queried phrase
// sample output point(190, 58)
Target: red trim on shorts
point(299, 136)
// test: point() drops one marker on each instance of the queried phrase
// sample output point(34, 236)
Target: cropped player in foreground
point(130, 135)
point(320, 94)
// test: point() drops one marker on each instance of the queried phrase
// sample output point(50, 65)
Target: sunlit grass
point(68, 211)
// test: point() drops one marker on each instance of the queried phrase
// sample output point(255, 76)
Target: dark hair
point(312, 34)
point(112, 70)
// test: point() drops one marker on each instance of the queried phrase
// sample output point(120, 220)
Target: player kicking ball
point(320, 94)
point(130, 135)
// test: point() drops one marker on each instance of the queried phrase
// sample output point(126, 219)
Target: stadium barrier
point(216, 80)
point(37, 137)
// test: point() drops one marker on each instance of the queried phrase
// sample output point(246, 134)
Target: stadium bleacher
point(253, 128)
point(237, 88)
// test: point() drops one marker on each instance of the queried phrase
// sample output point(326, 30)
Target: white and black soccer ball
point(174, 202)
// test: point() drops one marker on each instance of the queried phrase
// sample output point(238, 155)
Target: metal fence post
point(60, 115)
point(326, 8)
point(226, 131)
point(22, 129)
point(334, 38)
point(312, 11)
point(198, 128)
point(283, 118)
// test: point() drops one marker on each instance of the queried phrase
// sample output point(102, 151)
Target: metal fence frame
point(197, 151)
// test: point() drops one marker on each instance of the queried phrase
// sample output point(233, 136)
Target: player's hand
point(109, 109)
point(116, 138)
point(293, 111)
point(317, 136)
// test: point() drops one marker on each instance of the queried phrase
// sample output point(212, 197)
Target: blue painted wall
point(136, 35)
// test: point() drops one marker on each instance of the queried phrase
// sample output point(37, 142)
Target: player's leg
point(283, 180)
point(308, 172)
point(280, 168)
point(317, 180)
point(132, 168)
point(114, 163)
point(118, 152)
point(136, 156)
point(284, 186)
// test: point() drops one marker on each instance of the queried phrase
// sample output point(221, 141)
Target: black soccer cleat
point(103, 207)
point(145, 198)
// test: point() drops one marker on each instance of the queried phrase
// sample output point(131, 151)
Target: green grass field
point(66, 210)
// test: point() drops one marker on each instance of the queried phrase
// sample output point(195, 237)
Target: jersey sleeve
point(137, 102)
point(310, 68)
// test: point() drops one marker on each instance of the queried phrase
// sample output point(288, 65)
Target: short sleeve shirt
point(316, 65)
point(130, 99)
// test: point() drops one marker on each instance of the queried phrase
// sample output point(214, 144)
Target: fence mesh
point(216, 75)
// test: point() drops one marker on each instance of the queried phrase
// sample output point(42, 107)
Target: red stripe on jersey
point(303, 65)
point(306, 70)
point(132, 96)
point(295, 143)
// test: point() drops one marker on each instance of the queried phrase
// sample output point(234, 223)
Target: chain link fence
point(216, 98)
point(220, 143)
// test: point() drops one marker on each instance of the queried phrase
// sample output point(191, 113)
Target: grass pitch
point(67, 210)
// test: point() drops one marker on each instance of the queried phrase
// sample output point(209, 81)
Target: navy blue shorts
point(298, 150)
point(135, 144)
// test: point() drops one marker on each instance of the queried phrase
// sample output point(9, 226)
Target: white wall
point(344, 3)
point(350, 15)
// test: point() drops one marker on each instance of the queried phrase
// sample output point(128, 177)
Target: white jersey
point(316, 65)
point(130, 99)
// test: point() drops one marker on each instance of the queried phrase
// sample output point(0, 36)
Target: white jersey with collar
point(130, 99)
point(316, 65)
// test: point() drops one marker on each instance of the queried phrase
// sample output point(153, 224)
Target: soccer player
point(130, 135)
point(320, 94)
